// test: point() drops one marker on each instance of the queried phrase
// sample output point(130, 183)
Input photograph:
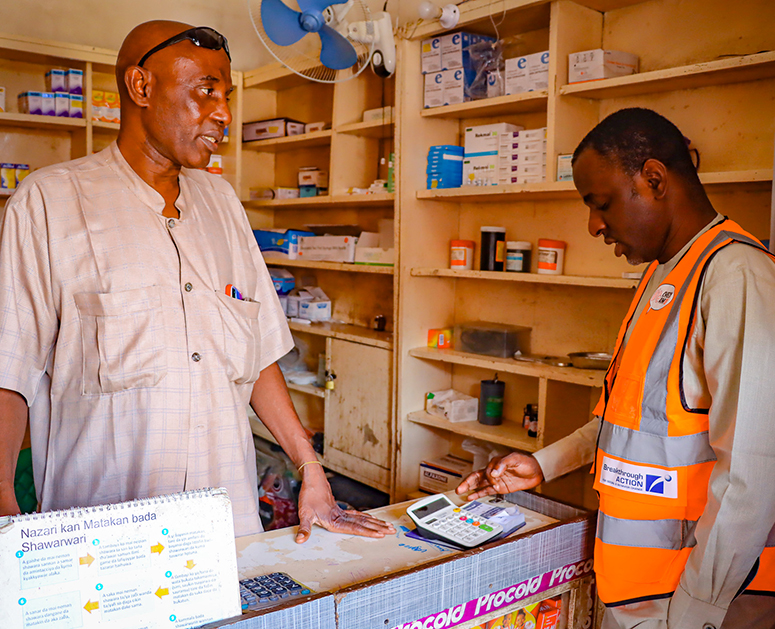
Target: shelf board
point(5, 193)
point(307, 389)
point(31, 121)
point(530, 278)
point(370, 129)
point(383, 199)
point(509, 434)
point(496, 106)
point(500, 194)
point(290, 142)
point(719, 72)
point(346, 332)
point(106, 126)
point(550, 190)
point(276, 76)
point(329, 266)
point(572, 375)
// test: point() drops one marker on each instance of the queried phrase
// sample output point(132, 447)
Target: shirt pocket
point(123, 340)
point(242, 338)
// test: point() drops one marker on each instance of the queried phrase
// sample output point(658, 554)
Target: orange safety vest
point(654, 459)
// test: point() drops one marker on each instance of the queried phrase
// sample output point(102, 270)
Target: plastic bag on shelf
point(452, 405)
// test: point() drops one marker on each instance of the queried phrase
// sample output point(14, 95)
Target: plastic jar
point(461, 254)
point(551, 256)
point(518, 256)
point(493, 251)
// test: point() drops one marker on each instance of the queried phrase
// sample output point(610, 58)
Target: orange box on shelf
point(440, 338)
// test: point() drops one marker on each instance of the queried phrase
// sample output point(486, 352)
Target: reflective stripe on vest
point(654, 458)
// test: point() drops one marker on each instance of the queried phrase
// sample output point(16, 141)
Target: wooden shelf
point(729, 70)
point(549, 190)
point(370, 129)
point(275, 76)
point(31, 121)
point(330, 266)
point(509, 434)
point(5, 193)
point(346, 332)
point(497, 106)
point(106, 126)
point(307, 389)
point(290, 142)
point(325, 202)
point(530, 278)
point(499, 194)
point(572, 375)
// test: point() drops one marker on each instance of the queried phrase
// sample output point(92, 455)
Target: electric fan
point(318, 38)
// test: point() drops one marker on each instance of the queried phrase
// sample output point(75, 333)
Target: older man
point(118, 336)
point(683, 438)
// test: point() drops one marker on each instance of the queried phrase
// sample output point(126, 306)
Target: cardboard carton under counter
point(443, 474)
point(280, 243)
point(327, 248)
point(268, 129)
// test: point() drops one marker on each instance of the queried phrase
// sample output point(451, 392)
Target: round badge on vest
point(662, 296)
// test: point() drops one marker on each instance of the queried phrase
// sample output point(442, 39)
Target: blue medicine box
point(279, 243)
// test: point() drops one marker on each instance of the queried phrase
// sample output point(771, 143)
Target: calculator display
point(433, 507)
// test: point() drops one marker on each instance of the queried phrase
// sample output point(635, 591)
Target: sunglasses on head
point(202, 36)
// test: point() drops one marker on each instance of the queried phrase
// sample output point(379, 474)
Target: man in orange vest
point(683, 438)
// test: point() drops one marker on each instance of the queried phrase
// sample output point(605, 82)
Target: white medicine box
point(591, 65)
point(431, 55)
point(434, 90)
point(486, 138)
point(454, 86)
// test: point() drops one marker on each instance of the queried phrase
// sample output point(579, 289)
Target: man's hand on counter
point(317, 506)
point(503, 475)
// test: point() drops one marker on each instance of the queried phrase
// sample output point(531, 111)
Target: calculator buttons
point(268, 589)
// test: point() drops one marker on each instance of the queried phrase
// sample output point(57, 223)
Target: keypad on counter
point(269, 589)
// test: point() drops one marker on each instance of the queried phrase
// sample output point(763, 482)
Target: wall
point(105, 23)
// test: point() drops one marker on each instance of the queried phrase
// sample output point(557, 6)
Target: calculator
point(437, 517)
point(268, 590)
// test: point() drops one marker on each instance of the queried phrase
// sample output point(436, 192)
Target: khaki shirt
point(115, 327)
point(728, 367)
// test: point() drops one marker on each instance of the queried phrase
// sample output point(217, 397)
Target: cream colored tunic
point(115, 327)
point(728, 367)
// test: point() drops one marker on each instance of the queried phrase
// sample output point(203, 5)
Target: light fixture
point(448, 16)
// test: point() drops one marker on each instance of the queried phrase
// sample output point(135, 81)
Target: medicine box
point(528, 73)
point(480, 170)
point(327, 248)
point(2, 99)
point(318, 178)
point(495, 84)
point(434, 90)
point(443, 474)
point(316, 309)
point(280, 243)
point(455, 87)
point(56, 80)
point(311, 127)
point(30, 103)
point(373, 250)
point(261, 193)
point(486, 139)
point(381, 114)
point(74, 81)
point(565, 167)
point(431, 55)
point(76, 106)
point(7, 176)
point(592, 65)
point(62, 104)
point(274, 128)
point(48, 103)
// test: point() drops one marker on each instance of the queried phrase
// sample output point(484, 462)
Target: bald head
point(139, 41)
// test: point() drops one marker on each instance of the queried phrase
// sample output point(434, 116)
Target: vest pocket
point(242, 337)
point(122, 337)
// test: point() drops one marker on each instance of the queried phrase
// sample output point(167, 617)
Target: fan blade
point(281, 23)
point(335, 51)
point(318, 5)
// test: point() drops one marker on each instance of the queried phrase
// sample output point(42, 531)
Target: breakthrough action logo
point(639, 479)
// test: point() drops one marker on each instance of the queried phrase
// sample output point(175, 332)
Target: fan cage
point(307, 63)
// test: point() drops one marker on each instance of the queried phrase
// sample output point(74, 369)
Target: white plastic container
point(551, 256)
point(461, 255)
point(518, 256)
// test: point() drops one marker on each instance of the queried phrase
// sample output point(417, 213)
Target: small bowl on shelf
point(590, 360)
